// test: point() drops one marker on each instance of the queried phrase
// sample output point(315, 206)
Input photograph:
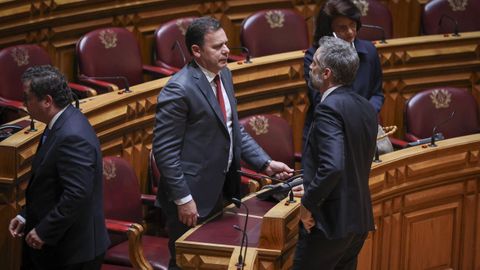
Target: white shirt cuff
point(21, 219)
point(184, 200)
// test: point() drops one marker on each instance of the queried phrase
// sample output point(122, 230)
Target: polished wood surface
point(272, 84)
point(426, 204)
point(272, 234)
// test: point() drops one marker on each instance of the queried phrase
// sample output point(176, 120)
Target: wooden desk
point(272, 235)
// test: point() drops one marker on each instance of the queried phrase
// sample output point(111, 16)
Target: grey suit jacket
point(191, 141)
point(337, 160)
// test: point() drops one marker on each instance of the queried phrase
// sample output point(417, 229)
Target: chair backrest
point(108, 52)
point(14, 61)
point(465, 12)
point(170, 48)
point(274, 31)
point(431, 107)
point(273, 134)
point(121, 191)
point(377, 14)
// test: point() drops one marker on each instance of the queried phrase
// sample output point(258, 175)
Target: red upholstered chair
point(274, 135)
point(431, 107)
point(170, 51)
point(123, 212)
point(274, 31)
point(14, 61)
point(112, 52)
point(376, 14)
point(465, 12)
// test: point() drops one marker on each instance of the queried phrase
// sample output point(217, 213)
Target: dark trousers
point(30, 263)
point(176, 229)
point(315, 251)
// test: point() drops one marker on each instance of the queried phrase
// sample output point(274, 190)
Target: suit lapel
point(43, 149)
point(206, 89)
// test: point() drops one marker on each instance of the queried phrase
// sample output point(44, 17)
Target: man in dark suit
point(63, 219)
point(336, 211)
point(198, 141)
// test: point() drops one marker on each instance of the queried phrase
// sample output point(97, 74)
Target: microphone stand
point(176, 44)
point(377, 159)
point(455, 27)
point(432, 140)
point(241, 260)
point(32, 122)
point(238, 265)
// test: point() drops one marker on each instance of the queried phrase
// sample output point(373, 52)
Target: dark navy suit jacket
point(64, 197)
point(336, 161)
point(368, 81)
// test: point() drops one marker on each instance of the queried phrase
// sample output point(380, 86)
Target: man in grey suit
point(198, 141)
point(336, 210)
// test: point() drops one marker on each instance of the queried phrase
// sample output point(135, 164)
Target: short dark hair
point(47, 80)
point(197, 30)
point(329, 11)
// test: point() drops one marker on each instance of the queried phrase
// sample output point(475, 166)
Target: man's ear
point(48, 101)
point(327, 73)
point(196, 50)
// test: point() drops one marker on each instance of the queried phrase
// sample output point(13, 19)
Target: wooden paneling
point(426, 220)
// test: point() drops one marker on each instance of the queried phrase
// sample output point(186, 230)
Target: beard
point(315, 82)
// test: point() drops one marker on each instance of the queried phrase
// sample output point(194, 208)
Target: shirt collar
point(55, 118)
point(329, 91)
point(210, 75)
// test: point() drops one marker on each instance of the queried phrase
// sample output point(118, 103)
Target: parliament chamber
point(426, 199)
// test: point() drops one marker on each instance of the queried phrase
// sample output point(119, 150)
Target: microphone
point(32, 122)
point(377, 28)
point(122, 78)
point(241, 263)
point(175, 45)
point(244, 234)
point(438, 137)
point(278, 191)
point(247, 52)
point(455, 27)
point(432, 141)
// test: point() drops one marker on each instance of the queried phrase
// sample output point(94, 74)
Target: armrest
point(134, 233)
point(157, 71)
point(397, 143)
point(411, 138)
point(297, 156)
point(235, 58)
point(9, 103)
point(103, 86)
point(263, 180)
point(148, 199)
point(162, 64)
point(82, 91)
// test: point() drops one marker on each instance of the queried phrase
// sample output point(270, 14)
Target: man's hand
point(280, 169)
point(306, 218)
point(16, 227)
point(33, 240)
point(298, 191)
point(187, 213)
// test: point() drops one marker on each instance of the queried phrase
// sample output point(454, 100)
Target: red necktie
point(220, 100)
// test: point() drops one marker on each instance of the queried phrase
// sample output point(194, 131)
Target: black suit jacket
point(337, 160)
point(191, 141)
point(64, 197)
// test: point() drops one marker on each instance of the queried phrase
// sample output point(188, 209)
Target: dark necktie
point(220, 100)
point(45, 135)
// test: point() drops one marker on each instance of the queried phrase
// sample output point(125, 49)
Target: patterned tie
point(220, 100)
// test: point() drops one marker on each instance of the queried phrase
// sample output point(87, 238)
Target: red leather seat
point(432, 107)
point(376, 14)
point(123, 207)
point(465, 12)
point(112, 52)
point(170, 51)
point(14, 61)
point(274, 31)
